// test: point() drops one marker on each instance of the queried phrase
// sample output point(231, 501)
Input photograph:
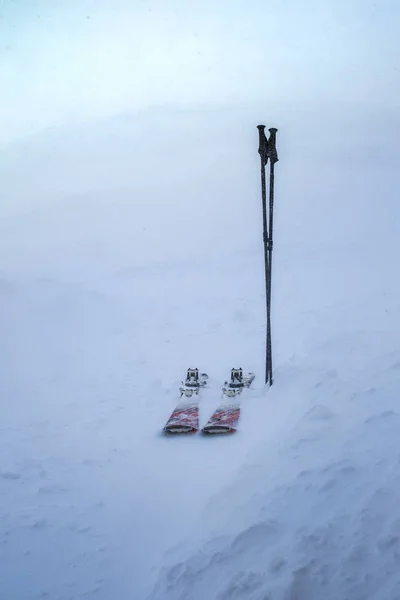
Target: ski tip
point(179, 430)
point(218, 430)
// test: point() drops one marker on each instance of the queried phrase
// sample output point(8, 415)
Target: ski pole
point(267, 149)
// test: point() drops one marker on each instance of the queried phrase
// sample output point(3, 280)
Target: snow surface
point(116, 275)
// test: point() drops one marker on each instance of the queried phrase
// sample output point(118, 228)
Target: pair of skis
point(185, 417)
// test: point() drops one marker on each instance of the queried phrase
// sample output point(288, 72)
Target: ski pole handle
point(262, 146)
point(267, 147)
point(272, 137)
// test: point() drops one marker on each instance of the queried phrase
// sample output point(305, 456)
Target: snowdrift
point(108, 295)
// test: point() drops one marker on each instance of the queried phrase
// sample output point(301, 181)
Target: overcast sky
point(68, 60)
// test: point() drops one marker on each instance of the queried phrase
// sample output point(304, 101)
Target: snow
point(111, 287)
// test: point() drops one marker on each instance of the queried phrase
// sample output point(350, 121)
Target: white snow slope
point(117, 275)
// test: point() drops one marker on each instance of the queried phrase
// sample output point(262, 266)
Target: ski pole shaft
point(273, 158)
point(270, 247)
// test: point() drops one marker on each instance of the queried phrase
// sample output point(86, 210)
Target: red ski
point(225, 418)
point(185, 417)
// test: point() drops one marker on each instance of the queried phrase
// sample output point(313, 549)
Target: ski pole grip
point(261, 135)
point(272, 136)
point(262, 145)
